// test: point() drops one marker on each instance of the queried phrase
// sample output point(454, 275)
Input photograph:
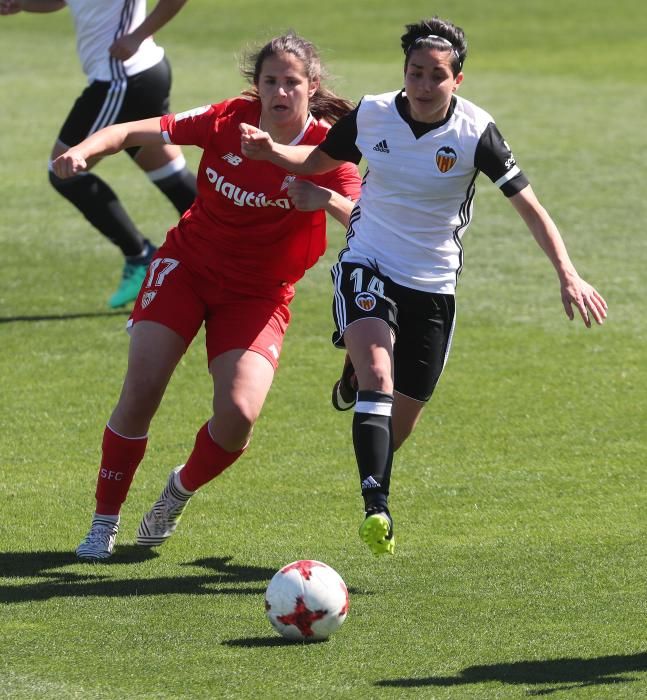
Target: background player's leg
point(166, 168)
point(102, 208)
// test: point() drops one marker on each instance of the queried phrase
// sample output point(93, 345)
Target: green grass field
point(520, 502)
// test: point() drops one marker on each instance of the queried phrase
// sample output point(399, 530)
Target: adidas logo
point(382, 146)
point(370, 483)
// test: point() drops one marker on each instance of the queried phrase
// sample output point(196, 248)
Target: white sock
point(177, 482)
point(106, 518)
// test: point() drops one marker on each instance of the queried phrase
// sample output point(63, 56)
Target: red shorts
point(234, 318)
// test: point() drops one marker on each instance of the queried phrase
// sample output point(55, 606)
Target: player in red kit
point(230, 263)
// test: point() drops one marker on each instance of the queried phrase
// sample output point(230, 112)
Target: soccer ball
point(306, 600)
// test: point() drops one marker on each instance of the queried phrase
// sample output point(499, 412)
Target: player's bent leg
point(99, 543)
point(99, 204)
point(206, 461)
point(102, 208)
point(405, 416)
point(241, 382)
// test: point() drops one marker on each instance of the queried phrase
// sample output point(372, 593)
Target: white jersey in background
point(98, 23)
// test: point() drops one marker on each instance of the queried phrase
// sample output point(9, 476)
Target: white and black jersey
point(418, 191)
point(97, 24)
point(117, 91)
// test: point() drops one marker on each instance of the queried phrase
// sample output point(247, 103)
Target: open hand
point(588, 301)
point(124, 47)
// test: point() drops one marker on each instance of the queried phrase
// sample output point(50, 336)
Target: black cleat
point(344, 393)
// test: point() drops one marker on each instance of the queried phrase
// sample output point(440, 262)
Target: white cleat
point(100, 540)
point(162, 519)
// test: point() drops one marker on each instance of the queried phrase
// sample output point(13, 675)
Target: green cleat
point(131, 282)
point(377, 532)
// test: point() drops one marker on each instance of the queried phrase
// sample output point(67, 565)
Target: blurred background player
point(129, 78)
point(231, 263)
point(394, 284)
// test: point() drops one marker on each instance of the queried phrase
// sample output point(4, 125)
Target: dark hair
point(324, 104)
point(436, 33)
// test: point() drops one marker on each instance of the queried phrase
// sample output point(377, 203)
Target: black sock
point(102, 208)
point(179, 188)
point(373, 442)
point(145, 257)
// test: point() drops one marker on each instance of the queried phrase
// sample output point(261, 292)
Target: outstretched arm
point(12, 7)
point(127, 45)
point(106, 141)
point(574, 290)
point(300, 160)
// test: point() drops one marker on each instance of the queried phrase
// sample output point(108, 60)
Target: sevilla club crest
point(147, 297)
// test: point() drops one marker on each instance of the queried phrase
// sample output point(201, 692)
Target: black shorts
point(110, 102)
point(423, 323)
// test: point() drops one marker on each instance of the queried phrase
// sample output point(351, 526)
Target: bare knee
point(233, 424)
point(139, 400)
point(375, 377)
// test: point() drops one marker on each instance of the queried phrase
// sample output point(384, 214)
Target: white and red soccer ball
point(306, 600)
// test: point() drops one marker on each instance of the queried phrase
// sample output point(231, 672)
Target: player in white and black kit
point(395, 280)
point(129, 78)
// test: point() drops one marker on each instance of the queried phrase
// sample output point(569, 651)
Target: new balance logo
point(382, 147)
point(232, 159)
point(370, 483)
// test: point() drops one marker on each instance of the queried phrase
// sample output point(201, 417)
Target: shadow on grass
point(250, 642)
point(575, 672)
point(98, 579)
point(63, 317)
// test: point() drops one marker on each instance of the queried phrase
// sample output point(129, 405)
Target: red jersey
point(243, 223)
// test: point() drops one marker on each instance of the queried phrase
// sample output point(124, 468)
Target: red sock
point(206, 461)
point(119, 461)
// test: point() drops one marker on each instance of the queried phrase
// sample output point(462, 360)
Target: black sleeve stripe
point(494, 158)
point(340, 140)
